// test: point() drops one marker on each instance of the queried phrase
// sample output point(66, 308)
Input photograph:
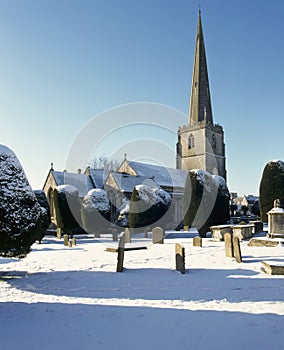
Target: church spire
point(200, 103)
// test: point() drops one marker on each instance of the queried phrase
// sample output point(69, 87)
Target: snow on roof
point(81, 181)
point(127, 182)
point(67, 189)
point(276, 210)
point(98, 176)
point(165, 177)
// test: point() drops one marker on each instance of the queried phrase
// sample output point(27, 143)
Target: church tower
point(201, 143)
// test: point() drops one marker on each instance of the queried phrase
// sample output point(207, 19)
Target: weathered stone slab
point(158, 235)
point(273, 269)
point(218, 231)
point(254, 242)
point(197, 241)
point(229, 249)
point(258, 226)
point(180, 258)
point(127, 235)
point(237, 249)
point(243, 231)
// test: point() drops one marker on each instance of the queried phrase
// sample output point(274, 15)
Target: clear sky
point(63, 62)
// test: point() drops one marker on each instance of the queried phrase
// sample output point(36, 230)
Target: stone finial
point(51, 166)
point(277, 203)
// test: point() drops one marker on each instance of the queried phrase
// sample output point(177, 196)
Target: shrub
point(271, 187)
point(45, 213)
point(67, 208)
point(205, 201)
point(96, 212)
point(20, 214)
point(148, 206)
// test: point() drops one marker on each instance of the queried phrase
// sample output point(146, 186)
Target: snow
point(72, 190)
point(276, 210)
point(96, 199)
point(72, 298)
point(153, 195)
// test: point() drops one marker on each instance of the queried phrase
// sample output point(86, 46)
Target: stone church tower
point(201, 143)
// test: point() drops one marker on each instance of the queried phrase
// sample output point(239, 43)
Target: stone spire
point(200, 103)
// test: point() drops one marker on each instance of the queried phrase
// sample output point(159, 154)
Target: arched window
point(214, 142)
point(190, 141)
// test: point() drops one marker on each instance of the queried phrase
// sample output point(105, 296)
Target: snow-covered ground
point(72, 298)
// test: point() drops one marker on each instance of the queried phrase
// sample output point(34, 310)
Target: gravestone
point(229, 250)
point(66, 240)
point(74, 241)
point(254, 242)
point(120, 253)
point(237, 249)
point(185, 228)
point(157, 235)
point(114, 235)
point(197, 241)
point(145, 232)
point(127, 235)
point(70, 244)
point(58, 233)
point(180, 258)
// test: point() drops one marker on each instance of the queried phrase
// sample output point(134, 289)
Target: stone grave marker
point(158, 235)
point(70, 244)
point(197, 241)
point(66, 239)
point(58, 233)
point(120, 253)
point(74, 241)
point(114, 235)
point(145, 232)
point(180, 258)
point(229, 250)
point(127, 235)
point(237, 249)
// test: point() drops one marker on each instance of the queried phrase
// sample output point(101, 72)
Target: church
point(200, 145)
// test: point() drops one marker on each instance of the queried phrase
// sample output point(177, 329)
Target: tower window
point(190, 141)
point(214, 142)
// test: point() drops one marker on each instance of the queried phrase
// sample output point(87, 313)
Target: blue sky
point(63, 62)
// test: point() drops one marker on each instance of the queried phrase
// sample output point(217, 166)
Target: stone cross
point(157, 235)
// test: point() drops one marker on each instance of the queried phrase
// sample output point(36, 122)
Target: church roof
point(126, 182)
point(81, 181)
point(165, 177)
point(98, 177)
point(200, 102)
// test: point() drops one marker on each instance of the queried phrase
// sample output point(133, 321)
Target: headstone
point(180, 258)
point(185, 228)
point(218, 231)
point(74, 241)
point(69, 244)
point(157, 235)
point(243, 231)
point(58, 233)
point(228, 238)
point(66, 239)
point(120, 253)
point(145, 232)
point(114, 235)
point(254, 242)
point(197, 241)
point(237, 249)
point(127, 235)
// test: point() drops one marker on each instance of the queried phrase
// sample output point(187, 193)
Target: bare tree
point(102, 162)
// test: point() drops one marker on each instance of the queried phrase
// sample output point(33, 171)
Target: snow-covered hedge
point(147, 206)
point(123, 214)
point(205, 200)
point(96, 211)
point(271, 187)
point(67, 208)
point(45, 212)
point(20, 213)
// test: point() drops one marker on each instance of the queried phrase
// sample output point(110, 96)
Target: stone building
point(201, 143)
point(200, 146)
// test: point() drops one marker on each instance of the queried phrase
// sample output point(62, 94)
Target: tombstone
point(243, 231)
point(120, 253)
point(276, 221)
point(66, 239)
point(74, 241)
point(58, 233)
point(185, 228)
point(237, 249)
point(197, 241)
point(146, 232)
point(114, 235)
point(218, 231)
point(158, 235)
point(229, 250)
point(127, 235)
point(70, 244)
point(258, 226)
point(180, 258)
